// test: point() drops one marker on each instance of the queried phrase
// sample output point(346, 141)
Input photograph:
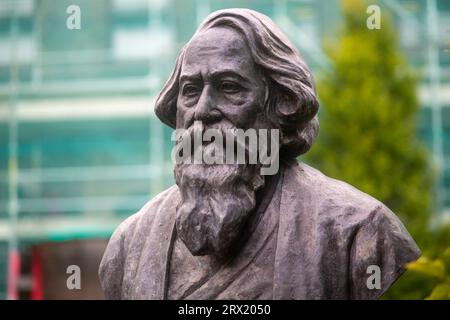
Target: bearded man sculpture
point(226, 231)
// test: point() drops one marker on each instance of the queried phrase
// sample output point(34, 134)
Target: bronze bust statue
point(227, 231)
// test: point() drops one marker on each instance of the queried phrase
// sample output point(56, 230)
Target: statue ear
point(287, 109)
point(295, 116)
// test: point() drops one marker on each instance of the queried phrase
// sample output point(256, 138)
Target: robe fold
point(320, 236)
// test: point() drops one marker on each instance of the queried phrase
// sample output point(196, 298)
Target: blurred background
point(81, 149)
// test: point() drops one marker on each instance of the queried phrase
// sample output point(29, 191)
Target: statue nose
point(206, 110)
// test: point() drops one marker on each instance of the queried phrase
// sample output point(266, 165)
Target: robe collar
point(161, 239)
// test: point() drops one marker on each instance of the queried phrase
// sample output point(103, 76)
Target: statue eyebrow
point(229, 73)
point(215, 75)
point(186, 77)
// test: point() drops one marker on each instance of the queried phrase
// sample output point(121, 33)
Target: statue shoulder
point(328, 196)
point(367, 230)
point(129, 234)
point(380, 251)
point(336, 203)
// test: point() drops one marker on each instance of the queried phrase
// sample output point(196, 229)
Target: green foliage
point(368, 138)
point(437, 272)
point(428, 277)
point(367, 122)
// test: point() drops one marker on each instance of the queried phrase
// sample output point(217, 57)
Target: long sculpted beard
point(216, 201)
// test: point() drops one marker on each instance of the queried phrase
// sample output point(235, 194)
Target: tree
point(367, 122)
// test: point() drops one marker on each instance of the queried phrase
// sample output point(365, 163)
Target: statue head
point(238, 71)
point(289, 99)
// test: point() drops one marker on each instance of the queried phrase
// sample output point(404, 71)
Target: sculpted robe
point(316, 239)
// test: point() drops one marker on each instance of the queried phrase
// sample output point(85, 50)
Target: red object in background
point(37, 291)
point(13, 274)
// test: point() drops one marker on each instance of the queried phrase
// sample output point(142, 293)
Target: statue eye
point(190, 90)
point(230, 87)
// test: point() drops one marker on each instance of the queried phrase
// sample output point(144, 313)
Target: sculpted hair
point(291, 104)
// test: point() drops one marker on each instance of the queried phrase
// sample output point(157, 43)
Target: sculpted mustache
point(221, 144)
point(197, 132)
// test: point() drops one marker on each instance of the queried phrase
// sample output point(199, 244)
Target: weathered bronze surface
point(228, 232)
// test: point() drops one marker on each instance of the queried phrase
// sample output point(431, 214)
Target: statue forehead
point(218, 47)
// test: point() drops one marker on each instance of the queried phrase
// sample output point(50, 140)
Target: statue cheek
point(185, 116)
point(243, 102)
point(251, 108)
point(241, 115)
